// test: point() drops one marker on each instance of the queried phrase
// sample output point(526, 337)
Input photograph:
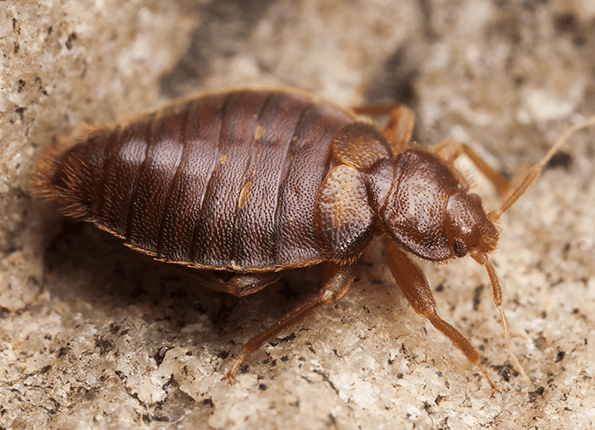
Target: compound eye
point(460, 249)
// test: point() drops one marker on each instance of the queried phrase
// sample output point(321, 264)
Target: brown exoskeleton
point(257, 182)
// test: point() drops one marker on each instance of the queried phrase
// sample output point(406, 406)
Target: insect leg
point(240, 285)
point(335, 281)
point(414, 285)
point(400, 123)
point(249, 283)
point(450, 150)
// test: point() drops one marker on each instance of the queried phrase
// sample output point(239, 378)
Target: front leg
point(335, 280)
point(416, 290)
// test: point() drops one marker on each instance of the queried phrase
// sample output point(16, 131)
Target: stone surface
point(94, 335)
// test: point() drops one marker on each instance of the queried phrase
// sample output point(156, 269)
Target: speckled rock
point(94, 335)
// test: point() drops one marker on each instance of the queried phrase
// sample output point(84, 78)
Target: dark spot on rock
point(279, 340)
point(3, 312)
point(325, 377)
point(159, 356)
point(21, 112)
point(71, 38)
point(104, 345)
point(88, 394)
point(114, 328)
point(519, 81)
point(55, 409)
point(506, 371)
point(171, 382)
point(533, 395)
point(560, 159)
point(477, 296)
point(564, 23)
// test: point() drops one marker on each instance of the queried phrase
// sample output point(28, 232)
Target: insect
point(257, 182)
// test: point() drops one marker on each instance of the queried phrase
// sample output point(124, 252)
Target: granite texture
point(93, 335)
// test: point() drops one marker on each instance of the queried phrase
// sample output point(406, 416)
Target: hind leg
point(242, 284)
point(336, 280)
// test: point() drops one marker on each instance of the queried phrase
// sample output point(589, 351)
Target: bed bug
point(260, 181)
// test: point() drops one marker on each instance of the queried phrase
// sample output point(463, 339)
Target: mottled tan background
point(95, 336)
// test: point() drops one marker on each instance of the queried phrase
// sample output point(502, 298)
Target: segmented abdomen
point(227, 180)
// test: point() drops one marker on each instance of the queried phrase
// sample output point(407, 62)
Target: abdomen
point(227, 180)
